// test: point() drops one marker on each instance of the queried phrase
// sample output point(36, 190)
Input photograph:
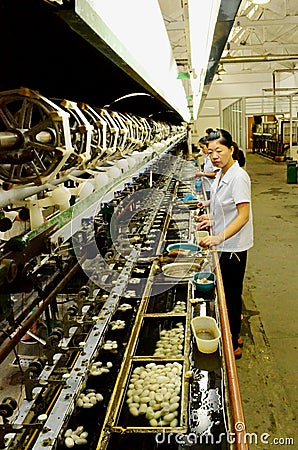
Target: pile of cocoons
point(170, 342)
point(110, 345)
point(89, 399)
point(98, 368)
point(75, 437)
point(154, 391)
point(180, 307)
point(117, 325)
point(203, 281)
point(124, 307)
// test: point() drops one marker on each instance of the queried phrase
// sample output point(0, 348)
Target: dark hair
point(238, 154)
point(203, 140)
point(24, 214)
point(208, 130)
point(223, 136)
point(236, 151)
point(5, 224)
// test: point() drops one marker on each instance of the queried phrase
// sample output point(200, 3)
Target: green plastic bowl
point(201, 286)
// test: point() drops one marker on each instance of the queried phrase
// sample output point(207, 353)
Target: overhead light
point(260, 2)
point(218, 79)
point(200, 38)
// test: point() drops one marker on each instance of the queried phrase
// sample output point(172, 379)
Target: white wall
point(235, 87)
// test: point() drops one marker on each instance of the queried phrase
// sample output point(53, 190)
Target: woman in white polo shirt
point(209, 171)
point(230, 207)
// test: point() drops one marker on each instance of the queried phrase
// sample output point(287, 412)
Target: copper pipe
point(7, 348)
point(234, 389)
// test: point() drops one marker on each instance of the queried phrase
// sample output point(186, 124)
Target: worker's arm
point(206, 174)
point(235, 226)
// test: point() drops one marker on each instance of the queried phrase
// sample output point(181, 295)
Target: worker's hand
point(199, 174)
point(203, 224)
point(203, 204)
point(209, 241)
point(203, 217)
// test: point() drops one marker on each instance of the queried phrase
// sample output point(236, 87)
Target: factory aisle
point(268, 370)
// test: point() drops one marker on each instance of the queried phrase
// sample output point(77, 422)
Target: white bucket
point(206, 332)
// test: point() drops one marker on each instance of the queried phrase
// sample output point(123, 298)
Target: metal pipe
point(234, 388)
point(258, 58)
point(20, 193)
point(15, 339)
point(274, 82)
point(10, 139)
point(280, 70)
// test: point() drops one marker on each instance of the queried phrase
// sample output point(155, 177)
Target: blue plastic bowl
point(184, 246)
point(204, 287)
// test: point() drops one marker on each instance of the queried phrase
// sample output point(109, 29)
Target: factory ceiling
point(248, 39)
point(45, 46)
point(267, 32)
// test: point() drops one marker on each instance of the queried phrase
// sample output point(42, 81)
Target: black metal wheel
point(38, 145)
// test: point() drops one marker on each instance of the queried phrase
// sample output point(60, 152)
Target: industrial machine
point(113, 361)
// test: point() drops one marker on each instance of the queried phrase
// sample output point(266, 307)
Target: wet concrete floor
point(268, 370)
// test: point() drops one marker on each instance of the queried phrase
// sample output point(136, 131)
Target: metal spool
point(31, 138)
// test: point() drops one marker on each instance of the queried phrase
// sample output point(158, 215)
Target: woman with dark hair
point(230, 207)
point(208, 131)
point(208, 171)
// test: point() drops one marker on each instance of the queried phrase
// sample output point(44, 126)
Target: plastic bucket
point(206, 332)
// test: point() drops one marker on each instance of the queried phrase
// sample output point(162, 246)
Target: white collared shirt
point(232, 189)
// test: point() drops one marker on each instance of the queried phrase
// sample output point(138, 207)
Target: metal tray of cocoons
point(158, 376)
point(162, 337)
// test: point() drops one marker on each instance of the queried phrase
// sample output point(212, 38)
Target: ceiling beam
point(258, 47)
point(244, 21)
point(176, 26)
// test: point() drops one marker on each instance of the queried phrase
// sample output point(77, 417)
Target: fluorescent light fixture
point(260, 2)
point(126, 33)
point(200, 38)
